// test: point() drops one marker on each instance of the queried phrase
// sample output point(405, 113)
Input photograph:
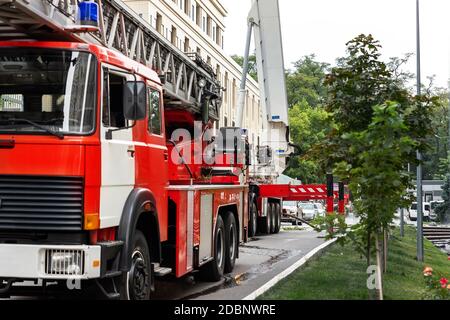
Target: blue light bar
point(88, 11)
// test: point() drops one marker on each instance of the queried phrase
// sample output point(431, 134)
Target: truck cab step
point(161, 271)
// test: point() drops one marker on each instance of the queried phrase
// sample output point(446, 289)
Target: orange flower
point(428, 270)
point(448, 287)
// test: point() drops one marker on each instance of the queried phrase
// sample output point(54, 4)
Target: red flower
point(444, 283)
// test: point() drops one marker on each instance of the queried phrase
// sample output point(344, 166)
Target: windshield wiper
point(37, 125)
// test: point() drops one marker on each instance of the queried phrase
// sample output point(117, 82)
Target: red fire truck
point(92, 185)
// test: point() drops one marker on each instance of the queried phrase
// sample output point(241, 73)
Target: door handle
point(131, 151)
point(166, 155)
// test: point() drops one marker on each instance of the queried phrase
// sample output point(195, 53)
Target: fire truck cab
point(90, 188)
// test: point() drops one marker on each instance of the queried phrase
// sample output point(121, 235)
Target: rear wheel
point(273, 219)
point(265, 221)
point(231, 242)
point(214, 270)
point(136, 284)
point(253, 220)
point(277, 217)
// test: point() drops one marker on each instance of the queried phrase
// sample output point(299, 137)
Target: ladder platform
point(188, 81)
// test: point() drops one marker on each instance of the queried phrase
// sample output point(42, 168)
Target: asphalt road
point(260, 260)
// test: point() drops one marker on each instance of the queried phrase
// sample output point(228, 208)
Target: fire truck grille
point(37, 203)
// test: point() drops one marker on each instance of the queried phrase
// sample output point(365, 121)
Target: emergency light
point(88, 13)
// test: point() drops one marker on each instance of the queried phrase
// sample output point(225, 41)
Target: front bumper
point(31, 261)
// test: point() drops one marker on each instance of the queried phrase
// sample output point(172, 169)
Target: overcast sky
point(323, 27)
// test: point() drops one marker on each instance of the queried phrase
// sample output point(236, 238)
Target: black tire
point(214, 270)
point(272, 218)
point(137, 283)
point(252, 219)
point(264, 222)
point(277, 218)
point(231, 242)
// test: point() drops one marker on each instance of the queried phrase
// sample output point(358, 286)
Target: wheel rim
point(219, 248)
point(232, 241)
point(138, 277)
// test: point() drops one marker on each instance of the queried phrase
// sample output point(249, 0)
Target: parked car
point(310, 210)
point(320, 208)
point(292, 208)
point(426, 211)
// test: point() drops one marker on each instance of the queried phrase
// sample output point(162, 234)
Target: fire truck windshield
point(46, 91)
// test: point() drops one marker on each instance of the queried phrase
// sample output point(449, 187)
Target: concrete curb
point(255, 294)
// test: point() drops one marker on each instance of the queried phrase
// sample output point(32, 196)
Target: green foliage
point(340, 273)
point(376, 174)
point(252, 66)
point(360, 82)
point(308, 126)
point(306, 82)
point(378, 127)
point(438, 286)
point(436, 164)
point(443, 210)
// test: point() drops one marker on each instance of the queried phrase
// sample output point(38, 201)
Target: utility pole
point(420, 251)
point(402, 222)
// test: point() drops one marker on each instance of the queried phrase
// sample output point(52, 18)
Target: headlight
point(65, 262)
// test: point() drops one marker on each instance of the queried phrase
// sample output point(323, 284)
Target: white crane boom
point(264, 23)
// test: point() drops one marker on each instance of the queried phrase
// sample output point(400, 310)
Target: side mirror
point(134, 100)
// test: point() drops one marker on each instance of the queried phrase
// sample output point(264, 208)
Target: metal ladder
point(123, 30)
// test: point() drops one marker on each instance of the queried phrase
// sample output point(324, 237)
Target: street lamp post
point(420, 251)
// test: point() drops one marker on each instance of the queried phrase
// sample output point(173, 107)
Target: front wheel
point(136, 284)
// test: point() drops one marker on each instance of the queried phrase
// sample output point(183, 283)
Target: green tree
point(436, 165)
point(378, 126)
point(252, 66)
point(443, 210)
point(308, 126)
point(306, 82)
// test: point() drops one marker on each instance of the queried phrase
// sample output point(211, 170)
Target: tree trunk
point(385, 246)
point(379, 268)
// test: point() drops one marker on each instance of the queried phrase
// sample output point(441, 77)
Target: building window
point(174, 37)
point(159, 26)
point(214, 32)
point(204, 24)
point(226, 87)
point(198, 15)
point(194, 12)
point(187, 45)
point(208, 25)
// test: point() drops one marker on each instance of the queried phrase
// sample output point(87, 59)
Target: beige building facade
point(197, 26)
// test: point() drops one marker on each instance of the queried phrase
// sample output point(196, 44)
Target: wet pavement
point(260, 260)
